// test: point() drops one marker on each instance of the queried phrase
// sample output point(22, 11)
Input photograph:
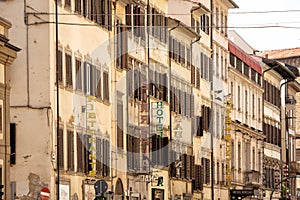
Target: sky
point(267, 38)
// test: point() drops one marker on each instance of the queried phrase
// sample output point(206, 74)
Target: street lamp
point(280, 182)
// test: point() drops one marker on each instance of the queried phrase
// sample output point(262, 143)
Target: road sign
point(240, 194)
point(100, 187)
point(45, 193)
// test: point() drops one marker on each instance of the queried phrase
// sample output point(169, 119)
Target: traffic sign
point(45, 193)
point(100, 187)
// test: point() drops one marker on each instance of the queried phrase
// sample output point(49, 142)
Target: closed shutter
point(188, 167)
point(69, 82)
point(128, 16)
point(165, 87)
point(142, 23)
point(80, 153)
point(192, 106)
point(182, 102)
point(192, 166)
point(106, 86)
point(177, 100)
point(99, 156)
point(182, 53)
point(198, 78)
point(165, 151)
point(124, 47)
point(193, 75)
point(201, 178)
point(188, 104)
point(183, 167)
point(61, 148)
point(129, 150)
point(59, 66)
point(70, 140)
point(154, 149)
point(207, 171)
point(120, 129)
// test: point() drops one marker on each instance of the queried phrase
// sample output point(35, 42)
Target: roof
point(286, 71)
point(246, 58)
point(281, 53)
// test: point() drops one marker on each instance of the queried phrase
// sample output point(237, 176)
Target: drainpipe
point(57, 99)
point(169, 90)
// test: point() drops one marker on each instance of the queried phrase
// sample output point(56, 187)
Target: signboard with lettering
point(239, 194)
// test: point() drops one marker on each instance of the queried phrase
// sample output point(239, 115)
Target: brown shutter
point(188, 167)
point(124, 52)
point(70, 136)
point(192, 166)
point(128, 16)
point(99, 155)
point(120, 129)
point(193, 75)
point(165, 151)
point(154, 149)
point(197, 78)
point(183, 166)
point(61, 148)
point(80, 153)
point(59, 66)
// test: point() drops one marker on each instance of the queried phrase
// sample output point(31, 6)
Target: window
point(105, 87)
point(239, 99)
point(1, 116)
point(217, 63)
point(259, 109)
point(70, 141)
point(103, 157)
point(239, 65)
point(253, 159)
point(120, 128)
point(225, 24)
point(99, 11)
point(12, 143)
point(68, 3)
point(206, 165)
point(246, 70)
point(59, 67)
point(61, 149)
point(205, 23)
point(232, 60)
point(79, 74)
point(218, 173)
point(217, 18)
point(253, 75)
point(246, 102)
point(239, 157)
point(68, 60)
point(222, 22)
point(80, 152)
point(253, 106)
point(121, 50)
point(78, 6)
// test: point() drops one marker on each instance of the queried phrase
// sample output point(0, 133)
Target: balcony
point(295, 167)
point(251, 179)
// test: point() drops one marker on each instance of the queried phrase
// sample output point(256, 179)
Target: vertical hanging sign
point(158, 118)
point(91, 132)
point(144, 125)
point(228, 140)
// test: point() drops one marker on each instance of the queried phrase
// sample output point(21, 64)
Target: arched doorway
point(119, 191)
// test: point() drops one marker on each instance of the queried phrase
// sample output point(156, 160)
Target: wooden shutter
point(188, 104)
point(70, 140)
point(207, 170)
point(124, 48)
point(197, 78)
point(99, 155)
point(80, 153)
point(78, 6)
point(78, 75)
point(193, 75)
point(59, 66)
point(128, 16)
point(192, 166)
point(105, 86)
point(165, 151)
point(120, 137)
point(188, 167)
point(154, 149)
point(183, 166)
point(61, 148)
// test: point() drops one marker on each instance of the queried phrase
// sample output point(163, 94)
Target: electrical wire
point(192, 27)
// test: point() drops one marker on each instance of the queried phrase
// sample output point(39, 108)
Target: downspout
point(191, 62)
point(7, 130)
point(57, 99)
point(212, 53)
point(169, 92)
point(170, 74)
